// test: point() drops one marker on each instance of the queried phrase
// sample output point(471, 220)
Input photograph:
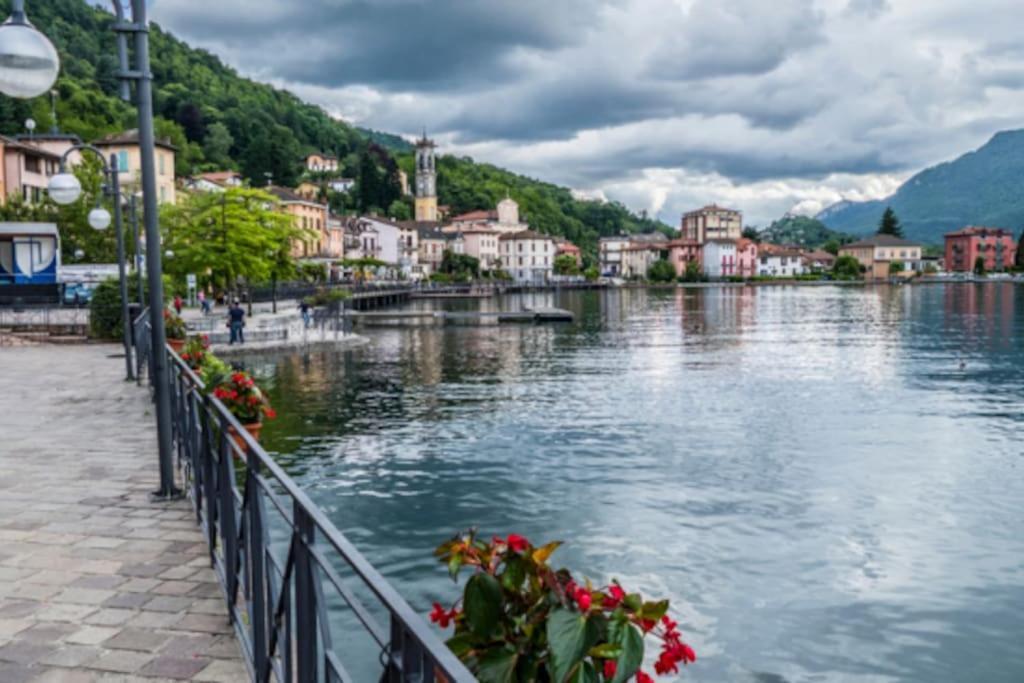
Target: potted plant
point(240, 395)
point(520, 620)
point(175, 331)
point(196, 351)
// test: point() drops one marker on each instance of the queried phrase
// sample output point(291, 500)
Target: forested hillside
point(220, 120)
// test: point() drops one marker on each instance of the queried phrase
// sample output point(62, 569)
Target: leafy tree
point(832, 246)
point(896, 267)
point(890, 224)
point(751, 233)
point(566, 265)
point(661, 271)
point(400, 211)
point(459, 266)
point(979, 265)
point(592, 273)
point(846, 267)
point(692, 273)
point(217, 145)
point(222, 237)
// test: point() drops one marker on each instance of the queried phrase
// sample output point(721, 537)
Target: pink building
point(994, 245)
point(746, 258)
point(681, 252)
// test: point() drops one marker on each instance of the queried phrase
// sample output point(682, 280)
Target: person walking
point(236, 321)
point(204, 305)
point(304, 309)
point(178, 303)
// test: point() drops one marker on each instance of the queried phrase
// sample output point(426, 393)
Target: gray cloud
point(651, 101)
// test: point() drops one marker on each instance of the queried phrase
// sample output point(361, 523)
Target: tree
point(400, 210)
point(661, 271)
point(846, 267)
point(217, 144)
point(592, 273)
point(566, 265)
point(692, 273)
point(224, 236)
point(896, 267)
point(979, 265)
point(459, 266)
point(832, 246)
point(751, 233)
point(890, 224)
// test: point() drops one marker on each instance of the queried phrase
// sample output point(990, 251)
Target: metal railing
point(292, 582)
point(142, 339)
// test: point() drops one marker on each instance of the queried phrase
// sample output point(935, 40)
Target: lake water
point(808, 473)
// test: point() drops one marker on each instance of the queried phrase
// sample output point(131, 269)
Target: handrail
point(277, 604)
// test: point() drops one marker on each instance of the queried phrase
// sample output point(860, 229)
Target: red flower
point(688, 654)
point(237, 377)
point(609, 668)
point(517, 543)
point(646, 625)
point(583, 598)
point(270, 413)
point(641, 677)
point(614, 597)
point(440, 616)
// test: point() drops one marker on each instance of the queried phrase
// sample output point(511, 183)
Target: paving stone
point(24, 651)
point(139, 585)
point(92, 635)
point(15, 609)
point(179, 668)
point(11, 672)
point(83, 596)
point(177, 573)
point(212, 606)
point(168, 603)
point(128, 600)
point(108, 616)
point(175, 588)
point(224, 671)
point(202, 623)
point(47, 632)
point(144, 570)
point(226, 647)
point(207, 590)
point(72, 656)
point(154, 619)
point(65, 676)
point(191, 645)
point(120, 661)
point(64, 612)
point(98, 582)
point(10, 627)
point(143, 640)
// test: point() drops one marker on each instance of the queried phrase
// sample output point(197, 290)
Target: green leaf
point(633, 601)
point(654, 610)
point(584, 673)
point(514, 574)
point(570, 635)
point(460, 644)
point(482, 604)
point(605, 651)
point(541, 555)
point(632, 643)
point(454, 565)
point(497, 666)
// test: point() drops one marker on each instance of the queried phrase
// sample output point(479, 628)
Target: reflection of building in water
point(981, 311)
point(717, 316)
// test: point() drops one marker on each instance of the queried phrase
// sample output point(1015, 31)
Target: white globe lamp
point(29, 63)
point(64, 188)
point(99, 218)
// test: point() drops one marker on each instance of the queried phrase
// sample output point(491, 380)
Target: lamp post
point(64, 189)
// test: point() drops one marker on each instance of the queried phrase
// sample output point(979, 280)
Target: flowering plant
point(243, 398)
point(520, 620)
point(196, 351)
point(174, 326)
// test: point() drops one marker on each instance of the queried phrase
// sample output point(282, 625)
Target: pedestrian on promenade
point(304, 308)
point(204, 305)
point(178, 303)
point(236, 321)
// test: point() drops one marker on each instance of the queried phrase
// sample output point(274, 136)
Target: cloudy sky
point(665, 105)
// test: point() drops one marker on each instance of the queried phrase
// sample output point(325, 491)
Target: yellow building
point(712, 222)
point(129, 162)
point(876, 253)
point(311, 217)
point(426, 181)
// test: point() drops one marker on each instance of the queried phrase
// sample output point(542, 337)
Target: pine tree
point(890, 224)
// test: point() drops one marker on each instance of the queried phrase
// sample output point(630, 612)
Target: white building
point(527, 256)
point(504, 220)
point(719, 258)
point(779, 262)
point(386, 242)
point(610, 254)
point(341, 184)
point(637, 260)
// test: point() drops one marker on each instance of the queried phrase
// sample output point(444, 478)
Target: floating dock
point(527, 315)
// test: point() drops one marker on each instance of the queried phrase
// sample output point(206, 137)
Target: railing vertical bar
point(255, 566)
point(228, 528)
point(305, 599)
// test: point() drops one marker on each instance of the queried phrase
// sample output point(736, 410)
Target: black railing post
point(226, 516)
point(255, 565)
point(209, 478)
point(305, 597)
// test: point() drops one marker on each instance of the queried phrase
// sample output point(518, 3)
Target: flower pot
point(176, 345)
point(254, 431)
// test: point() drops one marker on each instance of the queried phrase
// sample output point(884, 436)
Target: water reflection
point(807, 472)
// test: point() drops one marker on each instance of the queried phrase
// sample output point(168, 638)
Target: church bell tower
point(426, 180)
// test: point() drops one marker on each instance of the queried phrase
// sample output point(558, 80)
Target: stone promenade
point(96, 582)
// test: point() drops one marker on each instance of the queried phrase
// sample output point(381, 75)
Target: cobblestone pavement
point(96, 582)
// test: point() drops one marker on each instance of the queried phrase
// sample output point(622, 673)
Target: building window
point(160, 158)
point(163, 195)
point(122, 161)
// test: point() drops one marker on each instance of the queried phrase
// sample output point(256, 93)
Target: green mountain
point(218, 119)
point(803, 231)
point(982, 187)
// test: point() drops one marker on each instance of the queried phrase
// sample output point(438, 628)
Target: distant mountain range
point(984, 187)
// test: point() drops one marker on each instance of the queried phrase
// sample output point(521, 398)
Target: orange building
point(995, 246)
point(309, 216)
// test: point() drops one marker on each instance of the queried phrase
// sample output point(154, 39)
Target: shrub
point(213, 372)
point(328, 297)
point(661, 271)
point(521, 620)
point(846, 267)
point(105, 310)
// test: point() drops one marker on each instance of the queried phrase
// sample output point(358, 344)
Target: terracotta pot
point(176, 345)
point(254, 431)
